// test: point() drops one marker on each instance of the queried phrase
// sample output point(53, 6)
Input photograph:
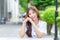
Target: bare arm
point(22, 32)
point(41, 31)
point(38, 33)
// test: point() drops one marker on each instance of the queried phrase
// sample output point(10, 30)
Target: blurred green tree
point(23, 3)
point(40, 4)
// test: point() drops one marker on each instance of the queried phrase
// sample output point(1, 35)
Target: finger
point(26, 20)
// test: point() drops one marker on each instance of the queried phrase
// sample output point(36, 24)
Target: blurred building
point(13, 8)
point(9, 8)
point(3, 8)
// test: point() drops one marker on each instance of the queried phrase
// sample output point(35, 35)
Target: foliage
point(40, 4)
point(58, 2)
point(58, 18)
point(48, 15)
point(22, 10)
point(23, 3)
point(58, 21)
point(41, 13)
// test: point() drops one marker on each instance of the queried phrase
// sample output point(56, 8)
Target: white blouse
point(42, 26)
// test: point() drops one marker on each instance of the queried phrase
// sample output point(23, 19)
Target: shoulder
point(42, 26)
point(42, 22)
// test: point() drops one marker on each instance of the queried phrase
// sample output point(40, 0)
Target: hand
point(24, 22)
point(30, 20)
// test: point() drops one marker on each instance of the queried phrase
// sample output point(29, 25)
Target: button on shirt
point(41, 27)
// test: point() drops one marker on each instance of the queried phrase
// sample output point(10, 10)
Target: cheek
point(30, 16)
point(35, 15)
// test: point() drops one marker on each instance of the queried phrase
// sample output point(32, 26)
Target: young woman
point(32, 25)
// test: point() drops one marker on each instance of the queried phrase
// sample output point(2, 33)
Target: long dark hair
point(28, 24)
point(29, 29)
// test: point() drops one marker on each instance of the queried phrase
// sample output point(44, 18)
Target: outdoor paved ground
point(11, 32)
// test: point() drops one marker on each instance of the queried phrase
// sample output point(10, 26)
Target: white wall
point(13, 6)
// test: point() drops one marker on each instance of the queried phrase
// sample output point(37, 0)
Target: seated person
point(32, 25)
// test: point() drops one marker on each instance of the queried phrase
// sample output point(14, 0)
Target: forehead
point(31, 10)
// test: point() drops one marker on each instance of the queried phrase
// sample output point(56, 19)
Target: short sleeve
point(43, 27)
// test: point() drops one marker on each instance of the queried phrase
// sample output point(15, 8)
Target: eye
point(29, 13)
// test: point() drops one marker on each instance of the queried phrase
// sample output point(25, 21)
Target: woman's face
point(32, 14)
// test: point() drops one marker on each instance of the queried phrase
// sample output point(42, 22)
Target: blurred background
point(12, 14)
